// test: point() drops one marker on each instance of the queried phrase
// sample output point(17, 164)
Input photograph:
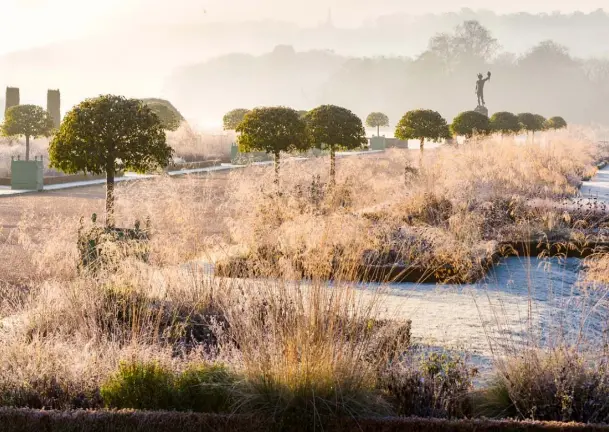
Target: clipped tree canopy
point(377, 119)
point(98, 132)
point(556, 123)
point(422, 124)
point(30, 121)
point(272, 130)
point(233, 118)
point(531, 122)
point(505, 123)
point(470, 123)
point(333, 127)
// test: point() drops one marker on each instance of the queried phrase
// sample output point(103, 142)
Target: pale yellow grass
point(293, 334)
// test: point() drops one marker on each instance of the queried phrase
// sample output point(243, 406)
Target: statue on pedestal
point(481, 108)
point(480, 88)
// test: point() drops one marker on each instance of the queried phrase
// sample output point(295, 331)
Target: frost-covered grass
point(302, 348)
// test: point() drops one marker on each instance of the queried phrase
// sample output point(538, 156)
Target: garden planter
point(27, 175)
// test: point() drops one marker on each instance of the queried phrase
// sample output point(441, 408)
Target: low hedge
point(24, 420)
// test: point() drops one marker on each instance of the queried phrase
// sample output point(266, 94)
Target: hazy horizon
point(224, 49)
point(50, 21)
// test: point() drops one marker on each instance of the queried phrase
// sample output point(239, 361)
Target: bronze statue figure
point(480, 88)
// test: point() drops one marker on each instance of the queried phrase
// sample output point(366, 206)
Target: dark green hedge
point(24, 420)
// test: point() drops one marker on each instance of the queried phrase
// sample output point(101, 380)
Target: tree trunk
point(277, 162)
point(378, 131)
point(110, 194)
point(27, 147)
point(332, 166)
point(421, 152)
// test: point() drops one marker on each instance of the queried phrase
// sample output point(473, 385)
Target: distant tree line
point(545, 79)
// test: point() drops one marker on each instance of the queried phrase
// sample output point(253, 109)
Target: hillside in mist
point(546, 80)
point(207, 68)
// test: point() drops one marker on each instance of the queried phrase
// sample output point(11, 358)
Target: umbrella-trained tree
point(232, 118)
point(98, 134)
point(556, 123)
point(272, 130)
point(333, 128)
point(30, 121)
point(377, 120)
point(422, 125)
point(504, 123)
point(470, 123)
point(531, 123)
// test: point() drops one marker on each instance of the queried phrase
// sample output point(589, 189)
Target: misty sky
point(29, 23)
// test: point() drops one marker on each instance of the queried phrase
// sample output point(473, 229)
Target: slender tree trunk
point(378, 131)
point(533, 137)
point(110, 194)
point(27, 147)
point(332, 166)
point(277, 162)
point(421, 152)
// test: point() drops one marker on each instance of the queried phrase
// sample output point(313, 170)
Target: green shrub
point(205, 389)
point(147, 386)
point(438, 386)
point(556, 386)
point(150, 386)
point(309, 403)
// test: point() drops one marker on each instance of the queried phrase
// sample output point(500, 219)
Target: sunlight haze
point(52, 20)
point(194, 52)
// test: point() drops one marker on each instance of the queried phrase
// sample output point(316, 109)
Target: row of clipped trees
point(279, 129)
point(467, 124)
point(108, 133)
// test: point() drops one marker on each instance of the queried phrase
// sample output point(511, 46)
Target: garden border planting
point(237, 267)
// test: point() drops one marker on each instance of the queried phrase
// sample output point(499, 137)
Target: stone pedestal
point(482, 110)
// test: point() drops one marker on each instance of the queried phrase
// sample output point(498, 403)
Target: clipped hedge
point(24, 420)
